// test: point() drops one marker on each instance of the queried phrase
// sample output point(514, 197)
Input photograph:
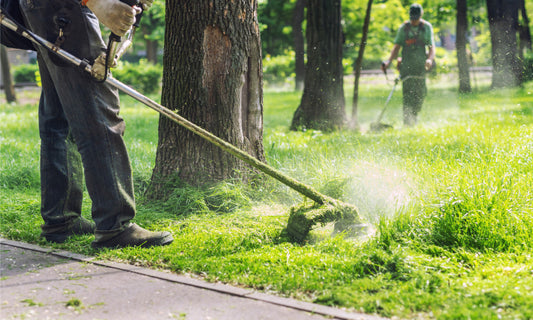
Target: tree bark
point(462, 57)
point(299, 44)
point(9, 89)
point(213, 77)
point(151, 50)
point(322, 105)
point(525, 32)
point(359, 65)
point(503, 22)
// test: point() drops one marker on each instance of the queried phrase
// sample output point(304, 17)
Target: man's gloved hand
point(146, 4)
point(116, 15)
point(428, 64)
point(385, 65)
point(99, 69)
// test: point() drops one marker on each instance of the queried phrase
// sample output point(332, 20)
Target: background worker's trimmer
point(378, 125)
point(302, 218)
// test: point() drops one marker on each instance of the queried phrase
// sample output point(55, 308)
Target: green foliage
point(386, 18)
point(279, 68)
point(153, 22)
point(25, 73)
point(480, 47)
point(275, 24)
point(446, 61)
point(143, 76)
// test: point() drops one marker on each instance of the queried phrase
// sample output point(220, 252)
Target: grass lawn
point(450, 200)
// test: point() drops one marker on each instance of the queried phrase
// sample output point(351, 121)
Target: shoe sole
point(56, 239)
point(164, 241)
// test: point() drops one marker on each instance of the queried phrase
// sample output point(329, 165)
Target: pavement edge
point(330, 312)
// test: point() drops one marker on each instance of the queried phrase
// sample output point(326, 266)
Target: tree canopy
point(276, 27)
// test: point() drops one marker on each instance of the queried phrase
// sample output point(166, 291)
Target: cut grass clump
point(179, 198)
point(227, 197)
point(303, 218)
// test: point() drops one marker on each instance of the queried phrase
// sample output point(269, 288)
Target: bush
point(25, 73)
point(279, 68)
point(446, 61)
point(143, 76)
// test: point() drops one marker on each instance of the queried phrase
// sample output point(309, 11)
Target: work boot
point(60, 233)
point(134, 236)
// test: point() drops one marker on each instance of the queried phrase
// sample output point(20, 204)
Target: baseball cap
point(415, 11)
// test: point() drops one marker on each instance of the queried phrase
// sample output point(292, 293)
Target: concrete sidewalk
point(41, 283)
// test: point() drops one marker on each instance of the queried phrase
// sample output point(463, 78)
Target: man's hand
point(117, 16)
point(385, 65)
point(429, 64)
point(99, 69)
point(146, 4)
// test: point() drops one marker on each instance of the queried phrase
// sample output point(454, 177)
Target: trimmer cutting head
point(380, 127)
point(303, 218)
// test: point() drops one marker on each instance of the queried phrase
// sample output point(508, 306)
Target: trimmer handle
point(132, 3)
point(383, 67)
point(138, 17)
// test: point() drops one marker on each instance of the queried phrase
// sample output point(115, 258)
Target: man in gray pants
point(73, 104)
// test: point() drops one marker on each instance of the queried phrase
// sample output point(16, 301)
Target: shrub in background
point(279, 68)
point(26, 73)
point(143, 76)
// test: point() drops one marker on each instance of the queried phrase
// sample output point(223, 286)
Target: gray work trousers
point(72, 103)
point(414, 92)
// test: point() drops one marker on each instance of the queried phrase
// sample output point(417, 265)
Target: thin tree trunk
point(462, 57)
point(359, 65)
point(151, 50)
point(299, 45)
point(213, 77)
point(322, 105)
point(9, 88)
point(525, 33)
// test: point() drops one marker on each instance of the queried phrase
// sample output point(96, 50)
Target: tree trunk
point(212, 77)
point(460, 44)
point(151, 50)
point(322, 105)
point(298, 37)
point(525, 32)
point(503, 22)
point(359, 65)
point(9, 89)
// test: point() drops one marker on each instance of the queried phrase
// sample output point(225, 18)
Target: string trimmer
point(378, 125)
point(301, 219)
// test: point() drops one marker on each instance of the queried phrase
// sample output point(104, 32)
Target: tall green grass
point(450, 200)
